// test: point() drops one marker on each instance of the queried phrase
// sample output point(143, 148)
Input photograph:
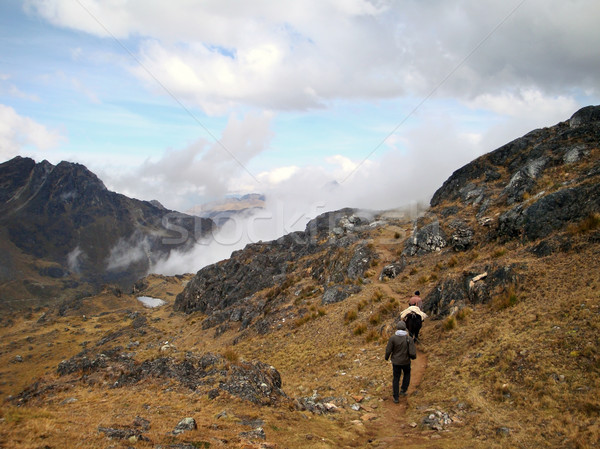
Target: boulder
point(430, 238)
point(185, 425)
point(462, 235)
point(392, 270)
point(338, 293)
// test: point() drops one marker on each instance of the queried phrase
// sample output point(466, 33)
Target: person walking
point(416, 300)
point(401, 350)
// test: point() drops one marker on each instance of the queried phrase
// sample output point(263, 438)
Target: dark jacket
point(398, 348)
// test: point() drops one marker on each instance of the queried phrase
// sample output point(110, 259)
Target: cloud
point(203, 169)
point(526, 103)
point(284, 55)
point(18, 133)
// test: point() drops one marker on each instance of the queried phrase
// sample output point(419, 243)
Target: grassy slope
point(531, 367)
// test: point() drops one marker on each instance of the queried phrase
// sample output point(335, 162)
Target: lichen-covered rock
point(392, 270)
point(430, 238)
point(524, 179)
point(186, 424)
point(462, 235)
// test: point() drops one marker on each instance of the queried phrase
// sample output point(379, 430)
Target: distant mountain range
point(61, 228)
point(221, 211)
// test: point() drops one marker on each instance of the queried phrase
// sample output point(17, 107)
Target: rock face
point(240, 288)
point(65, 215)
point(474, 287)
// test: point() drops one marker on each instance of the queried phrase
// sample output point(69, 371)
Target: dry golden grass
point(528, 361)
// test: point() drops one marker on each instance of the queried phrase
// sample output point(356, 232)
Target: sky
point(318, 104)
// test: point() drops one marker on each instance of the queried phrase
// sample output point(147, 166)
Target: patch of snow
point(149, 301)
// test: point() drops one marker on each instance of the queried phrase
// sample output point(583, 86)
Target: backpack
point(412, 350)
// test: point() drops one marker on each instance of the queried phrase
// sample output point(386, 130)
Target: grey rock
point(586, 115)
point(360, 262)
point(338, 293)
point(462, 235)
point(472, 193)
point(255, 434)
point(503, 431)
point(437, 420)
point(122, 433)
point(186, 424)
point(574, 154)
point(430, 238)
point(549, 213)
point(454, 292)
point(392, 270)
point(524, 179)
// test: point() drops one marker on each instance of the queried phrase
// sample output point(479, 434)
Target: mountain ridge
point(64, 215)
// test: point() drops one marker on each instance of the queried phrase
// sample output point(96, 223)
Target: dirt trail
point(392, 428)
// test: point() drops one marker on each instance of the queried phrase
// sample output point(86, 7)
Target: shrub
point(590, 223)
point(449, 323)
point(377, 296)
point(413, 270)
point(506, 299)
point(388, 307)
point(360, 329)
point(362, 304)
point(463, 313)
point(231, 355)
point(453, 262)
point(499, 252)
point(371, 336)
point(375, 319)
point(321, 311)
point(350, 316)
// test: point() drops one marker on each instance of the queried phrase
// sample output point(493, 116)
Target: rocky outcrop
point(520, 175)
point(524, 160)
point(427, 239)
point(211, 374)
point(338, 293)
point(462, 235)
point(260, 275)
point(392, 270)
point(549, 213)
point(472, 287)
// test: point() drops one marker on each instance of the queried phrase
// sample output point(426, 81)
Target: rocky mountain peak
point(65, 216)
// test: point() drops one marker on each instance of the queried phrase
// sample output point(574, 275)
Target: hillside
point(62, 230)
point(282, 344)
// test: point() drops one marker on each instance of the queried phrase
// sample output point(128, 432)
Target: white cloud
point(527, 103)
point(18, 133)
point(203, 170)
point(290, 55)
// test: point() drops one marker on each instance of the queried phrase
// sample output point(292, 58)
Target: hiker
point(401, 349)
point(416, 300)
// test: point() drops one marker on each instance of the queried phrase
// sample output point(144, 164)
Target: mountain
point(523, 191)
point(222, 211)
point(282, 344)
point(60, 227)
